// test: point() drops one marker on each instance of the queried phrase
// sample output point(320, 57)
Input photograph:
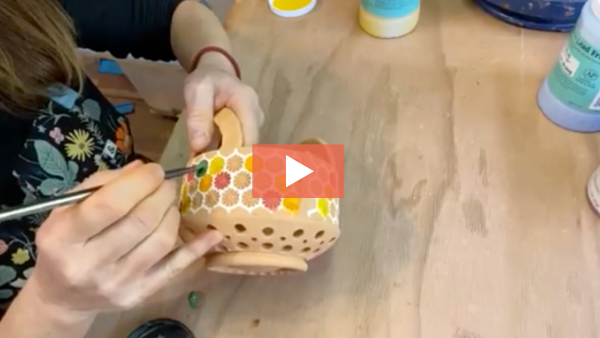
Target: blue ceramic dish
point(545, 15)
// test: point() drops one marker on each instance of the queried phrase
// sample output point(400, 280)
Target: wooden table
point(465, 213)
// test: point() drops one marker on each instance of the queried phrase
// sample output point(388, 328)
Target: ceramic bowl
point(263, 236)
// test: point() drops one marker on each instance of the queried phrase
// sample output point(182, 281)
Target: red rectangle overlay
point(274, 166)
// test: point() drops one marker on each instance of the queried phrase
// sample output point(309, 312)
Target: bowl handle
point(231, 129)
point(314, 140)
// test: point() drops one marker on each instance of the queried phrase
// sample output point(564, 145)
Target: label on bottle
point(390, 8)
point(575, 79)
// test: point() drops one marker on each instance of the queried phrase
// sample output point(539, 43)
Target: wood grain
point(464, 213)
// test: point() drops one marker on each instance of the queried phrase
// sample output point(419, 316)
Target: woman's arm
point(122, 27)
point(195, 27)
point(162, 30)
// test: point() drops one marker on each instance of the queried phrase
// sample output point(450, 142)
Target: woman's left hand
point(211, 87)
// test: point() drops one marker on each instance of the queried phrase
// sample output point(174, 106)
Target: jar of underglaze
point(262, 236)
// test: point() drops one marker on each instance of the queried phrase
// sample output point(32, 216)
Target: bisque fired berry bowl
point(268, 236)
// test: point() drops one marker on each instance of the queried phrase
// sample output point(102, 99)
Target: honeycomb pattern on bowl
point(262, 236)
point(227, 185)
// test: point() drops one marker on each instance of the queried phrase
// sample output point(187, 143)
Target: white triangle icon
point(295, 171)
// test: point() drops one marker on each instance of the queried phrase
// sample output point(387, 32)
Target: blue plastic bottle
point(570, 94)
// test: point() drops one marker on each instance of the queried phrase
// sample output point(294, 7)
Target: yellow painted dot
point(205, 183)
point(323, 207)
point(291, 204)
point(216, 165)
point(184, 204)
point(290, 5)
point(184, 191)
point(248, 163)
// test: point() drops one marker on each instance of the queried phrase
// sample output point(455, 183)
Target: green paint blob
point(201, 168)
point(193, 299)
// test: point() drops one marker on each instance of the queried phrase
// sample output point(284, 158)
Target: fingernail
point(214, 238)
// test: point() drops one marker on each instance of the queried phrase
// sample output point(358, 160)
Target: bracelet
point(222, 52)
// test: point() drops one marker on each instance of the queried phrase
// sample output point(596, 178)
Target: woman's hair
point(37, 49)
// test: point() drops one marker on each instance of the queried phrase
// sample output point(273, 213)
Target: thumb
point(200, 116)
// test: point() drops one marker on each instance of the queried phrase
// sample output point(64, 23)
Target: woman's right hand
point(115, 248)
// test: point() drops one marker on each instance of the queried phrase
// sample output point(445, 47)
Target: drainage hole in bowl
point(211, 227)
point(317, 250)
point(320, 234)
point(268, 231)
point(287, 248)
point(228, 238)
point(282, 239)
point(305, 241)
point(306, 250)
point(254, 239)
point(240, 228)
point(331, 240)
point(298, 233)
point(267, 246)
point(242, 245)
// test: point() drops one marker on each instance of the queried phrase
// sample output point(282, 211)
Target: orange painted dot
point(205, 183)
point(280, 184)
point(328, 191)
point(254, 164)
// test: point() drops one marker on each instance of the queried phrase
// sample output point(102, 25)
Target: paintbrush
point(69, 198)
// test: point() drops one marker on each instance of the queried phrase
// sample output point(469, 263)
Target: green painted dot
point(201, 168)
point(193, 299)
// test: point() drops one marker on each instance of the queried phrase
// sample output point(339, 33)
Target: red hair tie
point(222, 52)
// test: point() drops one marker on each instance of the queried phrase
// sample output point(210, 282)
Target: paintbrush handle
point(45, 205)
point(37, 207)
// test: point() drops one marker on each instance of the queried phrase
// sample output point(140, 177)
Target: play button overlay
point(284, 173)
point(295, 171)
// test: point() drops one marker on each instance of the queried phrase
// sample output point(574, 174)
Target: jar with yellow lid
point(291, 8)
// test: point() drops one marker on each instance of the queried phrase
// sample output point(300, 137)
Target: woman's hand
point(117, 247)
point(211, 87)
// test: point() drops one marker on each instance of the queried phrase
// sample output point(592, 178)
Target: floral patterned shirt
point(74, 135)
